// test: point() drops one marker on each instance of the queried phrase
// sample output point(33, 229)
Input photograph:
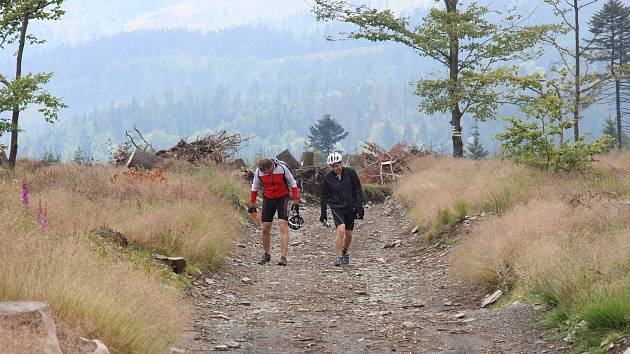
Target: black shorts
point(271, 205)
point(344, 216)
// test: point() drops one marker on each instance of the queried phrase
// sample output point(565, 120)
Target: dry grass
point(548, 241)
point(181, 216)
point(102, 296)
point(439, 187)
point(562, 238)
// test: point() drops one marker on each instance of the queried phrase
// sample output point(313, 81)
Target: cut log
point(177, 264)
point(308, 159)
point(289, 159)
point(27, 327)
point(3, 158)
point(143, 160)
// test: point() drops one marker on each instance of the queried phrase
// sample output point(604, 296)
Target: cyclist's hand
point(295, 208)
point(252, 209)
point(360, 213)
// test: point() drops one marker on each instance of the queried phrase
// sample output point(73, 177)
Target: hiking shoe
point(265, 259)
point(282, 261)
point(345, 258)
point(339, 262)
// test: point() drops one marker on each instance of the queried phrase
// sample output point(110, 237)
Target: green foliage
point(499, 202)
point(25, 90)
point(464, 41)
point(445, 217)
point(610, 28)
point(50, 157)
point(609, 128)
point(608, 312)
point(80, 157)
point(325, 133)
point(539, 145)
point(461, 208)
point(475, 149)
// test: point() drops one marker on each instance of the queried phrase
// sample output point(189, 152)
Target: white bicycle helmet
point(333, 158)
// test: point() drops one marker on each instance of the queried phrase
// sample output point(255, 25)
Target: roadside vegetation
point(51, 252)
point(562, 239)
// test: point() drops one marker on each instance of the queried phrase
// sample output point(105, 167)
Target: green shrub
point(539, 144)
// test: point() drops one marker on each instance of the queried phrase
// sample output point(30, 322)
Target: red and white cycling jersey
point(274, 184)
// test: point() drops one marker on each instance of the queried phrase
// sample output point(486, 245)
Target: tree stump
point(3, 158)
point(27, 327)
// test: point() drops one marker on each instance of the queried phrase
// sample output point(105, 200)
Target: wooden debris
point(141, 159)
point(291, 162)
point(308, 159)
point(378, 165)
point(217, 148)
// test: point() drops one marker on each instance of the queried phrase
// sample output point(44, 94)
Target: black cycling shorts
point(271, 205)
point(344, 216)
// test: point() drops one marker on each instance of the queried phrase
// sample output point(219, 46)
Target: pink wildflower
point(25, 195)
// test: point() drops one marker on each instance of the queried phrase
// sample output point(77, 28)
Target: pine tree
point(475, 149)
point(610, 128)
point(325, 133)
point(611, 44)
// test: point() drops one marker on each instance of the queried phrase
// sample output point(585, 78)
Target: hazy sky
point(87, 19)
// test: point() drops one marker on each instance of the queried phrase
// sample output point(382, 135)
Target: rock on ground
point(27, 327)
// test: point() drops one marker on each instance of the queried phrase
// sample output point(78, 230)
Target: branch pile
point(217, 148)
point(378, 165)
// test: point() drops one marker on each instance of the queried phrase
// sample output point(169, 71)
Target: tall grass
point(441, 190)
point(100, 296)
point(562, 238)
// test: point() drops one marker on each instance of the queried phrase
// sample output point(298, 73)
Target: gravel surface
point(395, 296)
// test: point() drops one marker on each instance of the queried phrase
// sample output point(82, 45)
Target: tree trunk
point(576, 107)
point(16, 109)
point(456, 113)
point(458, 145)
point(617, 85)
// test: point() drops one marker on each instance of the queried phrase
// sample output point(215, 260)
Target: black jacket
point(344, 193)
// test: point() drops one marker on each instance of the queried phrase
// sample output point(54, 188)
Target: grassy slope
point(98, 290)
point(561, 238)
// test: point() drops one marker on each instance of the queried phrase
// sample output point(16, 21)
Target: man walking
point(275, 178)
point(341, 190)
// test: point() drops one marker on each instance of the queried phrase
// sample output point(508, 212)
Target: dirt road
point(395, 296)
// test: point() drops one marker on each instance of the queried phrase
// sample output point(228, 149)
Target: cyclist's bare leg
point(341, 233)
point(283, 225)
point(266, 236)
point(348, 239)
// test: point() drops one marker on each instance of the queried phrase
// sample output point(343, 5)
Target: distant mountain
point(271, 75)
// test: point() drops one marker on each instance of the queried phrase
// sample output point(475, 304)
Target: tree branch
point(561, 12)
point(4, 81)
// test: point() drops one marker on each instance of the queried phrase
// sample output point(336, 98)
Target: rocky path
point(394, 296)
